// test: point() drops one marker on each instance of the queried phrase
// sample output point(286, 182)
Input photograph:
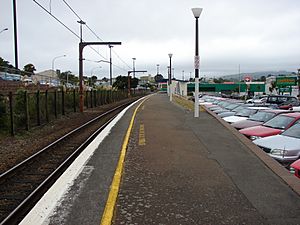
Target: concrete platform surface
point(185, 170)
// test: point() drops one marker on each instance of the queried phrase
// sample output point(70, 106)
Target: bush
point(4, 119)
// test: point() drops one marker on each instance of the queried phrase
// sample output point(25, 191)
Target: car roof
point(257, 107)
point(278, 111)
point(292, 114)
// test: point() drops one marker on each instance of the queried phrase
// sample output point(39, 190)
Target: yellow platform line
point(113, 194)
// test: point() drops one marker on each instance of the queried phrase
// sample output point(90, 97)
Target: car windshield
point(231, 106)
point(279, 122)
point(293, 131)
point(246, 112)
point(239, 108)
point(262, 116)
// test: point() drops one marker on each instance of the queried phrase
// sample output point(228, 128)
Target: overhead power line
point(69, 29)
point(74, 33)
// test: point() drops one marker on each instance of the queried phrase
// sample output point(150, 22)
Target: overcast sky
point(258, 35)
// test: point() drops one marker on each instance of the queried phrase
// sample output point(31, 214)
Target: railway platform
point(157, 164)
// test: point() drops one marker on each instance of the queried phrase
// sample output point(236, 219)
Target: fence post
point(91, 96)
point(95, 98)
point(55, 103)
point(38, 108)
point(74, 100)
point(86, 99)
point(62, 102)
point(46, 106)
point(26, 110)
point(11, 111)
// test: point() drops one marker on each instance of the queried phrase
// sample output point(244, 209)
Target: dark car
point(282, 99)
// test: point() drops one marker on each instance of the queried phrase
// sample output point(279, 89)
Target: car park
point(258, 118)
point(295, 168)
point(280, 99)
point(243, 114)
point(233, 112)
point(258, 99)
point(221, 105)
point(227, 108)
point(289, 104)
point(284, 147)
point(274, 126)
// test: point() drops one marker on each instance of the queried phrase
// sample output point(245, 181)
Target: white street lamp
point(3, 30)
point(53, 60)
point(197, 13)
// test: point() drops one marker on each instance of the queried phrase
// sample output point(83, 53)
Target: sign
point(286, 81)
point(197, 62)
point(247, 78)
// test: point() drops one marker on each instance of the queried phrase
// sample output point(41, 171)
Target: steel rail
point(57, 141)
point(11, 218)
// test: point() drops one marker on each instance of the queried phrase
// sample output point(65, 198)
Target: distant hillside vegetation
point(256, 75)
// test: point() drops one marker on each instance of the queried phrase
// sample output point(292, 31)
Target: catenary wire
point(69, 29)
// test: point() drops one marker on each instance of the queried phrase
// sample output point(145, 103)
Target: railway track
point(24, 184)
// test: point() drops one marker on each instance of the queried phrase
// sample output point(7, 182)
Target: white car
point(296, 108)
point(284, 147)
point(243, 114)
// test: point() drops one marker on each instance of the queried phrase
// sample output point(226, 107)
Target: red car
point(258, 118)
point(295, 168)
point(274, 126)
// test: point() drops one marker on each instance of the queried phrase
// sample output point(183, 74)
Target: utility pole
point(81, 46)
point(110, 65)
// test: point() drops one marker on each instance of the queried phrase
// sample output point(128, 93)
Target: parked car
point(274, 126)
point(280, 99)
point(284, 147)
point(258, 118)
point(243, 114)
point(227, 108)
point(295, 168)
point(257, 99)
point(289, 104)
point(233, 112)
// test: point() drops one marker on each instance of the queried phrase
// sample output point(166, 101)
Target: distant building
point(45, 77)
point(146, 80)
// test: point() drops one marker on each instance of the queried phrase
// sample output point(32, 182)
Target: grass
point(187, 104)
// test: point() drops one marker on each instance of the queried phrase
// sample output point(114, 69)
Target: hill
point(255, 75)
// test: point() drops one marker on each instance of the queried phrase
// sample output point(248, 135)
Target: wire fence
point(23, 110)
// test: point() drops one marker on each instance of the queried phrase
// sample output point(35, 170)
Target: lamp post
point(239, 80)
point(53, 60)
point(157, 67)
point(133, 66)
point(197, 13)
point(3, 30)
point(110, 65)
point(170, 74)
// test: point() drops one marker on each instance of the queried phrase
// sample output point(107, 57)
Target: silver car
point(284, 147)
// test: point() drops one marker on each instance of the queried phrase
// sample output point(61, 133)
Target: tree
point(67, 75)
point(105, 79)
point(29, 69)
point(158, 78)
point(134, 82)
point(5, 66)
point(263, 78)
point(121, 82)
point(92, 80)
